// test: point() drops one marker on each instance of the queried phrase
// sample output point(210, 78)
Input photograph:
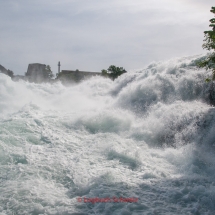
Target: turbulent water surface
point(147, 135)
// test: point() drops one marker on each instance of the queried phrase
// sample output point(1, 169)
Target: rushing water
point(148, 135)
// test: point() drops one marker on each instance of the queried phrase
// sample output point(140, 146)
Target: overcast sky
point(91, 35)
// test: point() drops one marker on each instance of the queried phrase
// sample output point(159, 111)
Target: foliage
point(209, 44)
point(48, 73)
point(104, 73)
point(10, 73)
point(58, 74)
point(113, 72)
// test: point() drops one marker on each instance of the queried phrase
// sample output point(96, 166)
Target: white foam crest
point(164, 82)
point(149, 134)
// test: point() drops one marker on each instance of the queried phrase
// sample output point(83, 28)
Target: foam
point(148, 134)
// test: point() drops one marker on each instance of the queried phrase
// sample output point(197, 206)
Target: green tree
point(209, 44)
point(105, 73)
point(113, 72)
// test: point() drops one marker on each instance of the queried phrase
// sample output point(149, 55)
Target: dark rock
point(37, 73)
point(212, 93)
point(6, 71)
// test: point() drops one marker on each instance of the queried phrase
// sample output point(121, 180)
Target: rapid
point(148, 135)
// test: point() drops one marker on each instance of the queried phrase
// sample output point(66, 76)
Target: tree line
point(209, 44)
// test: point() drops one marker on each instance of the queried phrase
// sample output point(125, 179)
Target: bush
point(113, 72)
point(209, 61)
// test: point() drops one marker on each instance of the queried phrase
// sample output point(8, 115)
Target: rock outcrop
point(6, 71)
point(37, 73)
point(212, 93)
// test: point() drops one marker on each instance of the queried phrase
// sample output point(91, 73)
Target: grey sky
point(93, 34)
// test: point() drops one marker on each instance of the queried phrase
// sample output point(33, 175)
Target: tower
point(59, 67)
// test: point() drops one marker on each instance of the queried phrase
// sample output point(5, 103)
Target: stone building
point(75, 76)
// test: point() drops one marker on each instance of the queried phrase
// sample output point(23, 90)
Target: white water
point(149, 135)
